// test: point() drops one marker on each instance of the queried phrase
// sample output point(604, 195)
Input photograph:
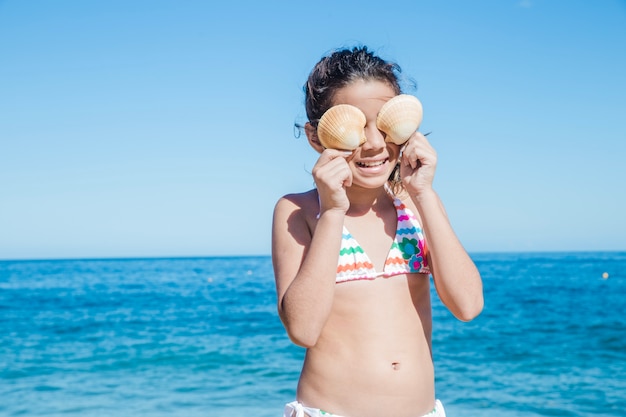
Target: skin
point(368, 341)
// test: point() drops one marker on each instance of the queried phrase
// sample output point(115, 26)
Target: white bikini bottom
point(295, 409)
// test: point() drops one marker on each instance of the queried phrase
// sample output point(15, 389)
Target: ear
point(311, 134)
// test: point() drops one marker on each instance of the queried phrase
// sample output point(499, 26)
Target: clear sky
point(165, 128)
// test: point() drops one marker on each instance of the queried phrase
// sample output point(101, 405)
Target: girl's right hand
point(332, 175)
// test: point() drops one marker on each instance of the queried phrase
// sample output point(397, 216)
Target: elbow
point(471, 310)
point(302, 339)
point(472, 301)
point(469, 314)
point(300, 332)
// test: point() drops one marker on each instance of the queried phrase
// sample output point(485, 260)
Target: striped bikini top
point(406, 256)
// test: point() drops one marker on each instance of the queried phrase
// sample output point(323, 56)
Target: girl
point(352, 258)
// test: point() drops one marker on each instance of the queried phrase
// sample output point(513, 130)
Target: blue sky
point(165, 128)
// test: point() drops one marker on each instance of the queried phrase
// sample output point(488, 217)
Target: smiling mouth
point(372, 164)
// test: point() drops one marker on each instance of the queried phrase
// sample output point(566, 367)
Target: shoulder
point(306, 202)
point(297, 208)
point(295, 217)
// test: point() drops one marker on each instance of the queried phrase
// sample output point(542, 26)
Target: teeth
point(371, 164)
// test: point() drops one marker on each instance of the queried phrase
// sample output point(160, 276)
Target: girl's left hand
point(417, 165)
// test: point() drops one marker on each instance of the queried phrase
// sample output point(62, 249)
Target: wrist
point(425, 197)
point(332, 214)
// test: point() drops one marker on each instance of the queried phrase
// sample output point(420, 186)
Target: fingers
point(330, 154)
point(418, 151)
point(332, 170)
point(332, 159)
point(332, 176)
point(419, 161)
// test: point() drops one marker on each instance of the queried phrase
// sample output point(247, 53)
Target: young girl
point(365, 317)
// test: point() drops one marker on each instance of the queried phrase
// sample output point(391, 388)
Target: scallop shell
point(342, 127)
point(399, 118)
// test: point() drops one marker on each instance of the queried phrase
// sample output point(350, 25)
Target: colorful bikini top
point(406, 256)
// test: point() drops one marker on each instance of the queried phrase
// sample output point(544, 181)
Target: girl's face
point(372, 162)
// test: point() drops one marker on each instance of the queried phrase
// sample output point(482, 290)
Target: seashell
point(342, 127)
point(399, 118)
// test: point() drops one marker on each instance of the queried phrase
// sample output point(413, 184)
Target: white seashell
point(342, 127)
point(399, 118)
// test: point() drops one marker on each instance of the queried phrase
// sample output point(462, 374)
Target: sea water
point(201, 337)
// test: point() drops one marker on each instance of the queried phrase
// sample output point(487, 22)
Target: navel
point(395, 366)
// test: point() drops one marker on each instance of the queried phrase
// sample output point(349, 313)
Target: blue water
point(200, 337)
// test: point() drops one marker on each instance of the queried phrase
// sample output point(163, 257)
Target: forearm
point(456, 277)
point(307, 303)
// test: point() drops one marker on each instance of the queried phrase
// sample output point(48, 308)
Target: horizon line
point(268, 255)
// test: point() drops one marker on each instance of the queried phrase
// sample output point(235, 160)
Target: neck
point(364, 200)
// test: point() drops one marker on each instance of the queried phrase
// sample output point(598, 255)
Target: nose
point(375, 138)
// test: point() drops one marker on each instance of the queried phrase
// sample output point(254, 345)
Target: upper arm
point(291, 237)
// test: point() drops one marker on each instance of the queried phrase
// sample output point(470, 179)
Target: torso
point(376, 343)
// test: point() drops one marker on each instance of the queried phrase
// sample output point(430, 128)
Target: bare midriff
point(373, 357)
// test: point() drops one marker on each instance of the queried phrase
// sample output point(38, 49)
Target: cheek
point(394, 151)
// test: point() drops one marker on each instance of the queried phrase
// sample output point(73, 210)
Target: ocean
point(201, 337)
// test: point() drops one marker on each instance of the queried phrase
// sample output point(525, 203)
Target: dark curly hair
point(340, 68)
